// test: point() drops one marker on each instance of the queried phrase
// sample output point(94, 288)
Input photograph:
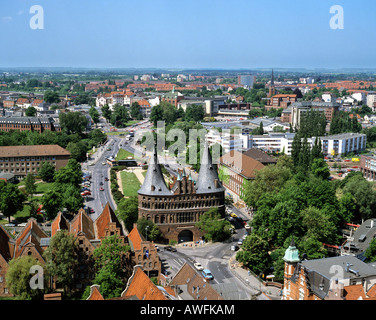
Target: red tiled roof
point(135, 237)
point(6, 248)
point(30, 234)
point(142, 287)
point(95, 293)
point(59, 223)
point(102, 222)
point(82, 223)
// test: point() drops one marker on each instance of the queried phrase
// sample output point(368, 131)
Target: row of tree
point(289, 202)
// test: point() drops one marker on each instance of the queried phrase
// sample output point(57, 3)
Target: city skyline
point(167, 34)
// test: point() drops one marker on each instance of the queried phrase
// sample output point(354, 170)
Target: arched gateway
point(185, 235)
point(176, 208)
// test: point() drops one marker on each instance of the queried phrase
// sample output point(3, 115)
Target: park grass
point(130, 184)
point(43, 187)
point(123, 154)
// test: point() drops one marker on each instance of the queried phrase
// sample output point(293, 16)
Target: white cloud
point(6, 19)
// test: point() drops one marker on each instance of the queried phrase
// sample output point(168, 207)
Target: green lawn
point(130, 183)
point(123, 154)
point(43, 187)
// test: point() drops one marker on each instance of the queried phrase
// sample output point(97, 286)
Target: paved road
point(214, 257)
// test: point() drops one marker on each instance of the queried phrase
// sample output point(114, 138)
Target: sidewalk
point(256, 286)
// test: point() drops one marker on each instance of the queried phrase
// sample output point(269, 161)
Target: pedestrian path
point(258, 289)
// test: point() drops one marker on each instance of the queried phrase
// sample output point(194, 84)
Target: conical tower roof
point(154, 183)
point(208, 174)
point(292, 253)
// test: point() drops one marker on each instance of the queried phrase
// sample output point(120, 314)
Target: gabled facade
point(144, 253)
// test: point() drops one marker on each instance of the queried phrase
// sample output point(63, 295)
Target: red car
point(86, 193)
point(101, 189)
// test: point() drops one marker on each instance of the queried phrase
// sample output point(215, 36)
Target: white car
point(198, 266)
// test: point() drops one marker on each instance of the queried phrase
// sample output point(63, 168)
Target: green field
point(123, 154)
point(130, 183)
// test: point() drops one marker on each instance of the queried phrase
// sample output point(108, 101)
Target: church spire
point(208, 180)
point(154, 183)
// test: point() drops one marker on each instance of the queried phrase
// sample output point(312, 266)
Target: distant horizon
point(182, 69)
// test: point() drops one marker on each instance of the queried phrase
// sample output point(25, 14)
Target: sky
point(188, 34)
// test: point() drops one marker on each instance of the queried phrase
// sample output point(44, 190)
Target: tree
point(30, 186)
point(317, 225)
point(18, 278)
point(114, 267)
point(347, 207)
point(364, 195)
point(254, 254)
point(148, 229)
point(320, 169)
point(296, 149)
point(106, 112)
point(72, 199)
point(269, 179)
point(70, 174)
point(51, 97)
point(119, 116)
point(47, 172)
point(214, 228)
point(136, 112)
point(61, 258)
point(194, 113)
point(127, 211)
point(11, 199)
point(94, 114)
point(52, 202)
point(31, 112)
point(370, 253)
point(73, 122)
point(156, 114)
point(78, 150)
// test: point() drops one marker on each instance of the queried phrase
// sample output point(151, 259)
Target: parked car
point(198, 266)
point(240, 242)
point(206, 273)
point(234, 248)
point(233, 215)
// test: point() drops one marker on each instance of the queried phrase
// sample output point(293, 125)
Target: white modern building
point(273, 142)
point(371, 100)
point(360, 97)
point(343, 143)
point(227, 140)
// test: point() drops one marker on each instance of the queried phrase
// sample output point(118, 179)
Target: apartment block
point(21, 160)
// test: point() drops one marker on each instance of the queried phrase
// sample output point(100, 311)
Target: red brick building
point(21, 160)
point(335, 278)
point(175, 209)
point(144, 253)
